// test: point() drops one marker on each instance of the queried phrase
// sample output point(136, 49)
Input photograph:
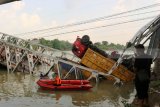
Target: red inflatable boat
point(73, 82)
point(66, 84)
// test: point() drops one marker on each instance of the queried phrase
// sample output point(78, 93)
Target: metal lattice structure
point(148, 33)
point(49, 57)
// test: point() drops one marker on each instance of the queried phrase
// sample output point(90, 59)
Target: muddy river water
point(20, 90)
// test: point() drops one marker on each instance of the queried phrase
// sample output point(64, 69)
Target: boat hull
point(73, 82)
point(45, 86)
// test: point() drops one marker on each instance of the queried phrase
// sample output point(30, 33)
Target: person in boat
point(51, 74)
point(55, 76)
point(57, 80)
point(142, 66)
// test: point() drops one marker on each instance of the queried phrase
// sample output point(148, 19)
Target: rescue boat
point(48, 84)
point(73, 82)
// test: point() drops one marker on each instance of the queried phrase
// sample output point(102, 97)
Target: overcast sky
point(30, 15)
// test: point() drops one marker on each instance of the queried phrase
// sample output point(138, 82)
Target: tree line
point(66, 45)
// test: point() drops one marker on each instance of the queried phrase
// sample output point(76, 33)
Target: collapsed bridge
point(22, 55)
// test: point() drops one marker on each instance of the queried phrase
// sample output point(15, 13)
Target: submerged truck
point(94, 58)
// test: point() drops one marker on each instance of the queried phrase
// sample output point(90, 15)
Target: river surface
point(20, 90)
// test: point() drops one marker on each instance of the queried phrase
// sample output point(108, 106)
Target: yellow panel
point(96, 61)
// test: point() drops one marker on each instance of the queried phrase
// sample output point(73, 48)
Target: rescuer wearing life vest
point(57, 80)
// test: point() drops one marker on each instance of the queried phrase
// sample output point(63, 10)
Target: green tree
point(65, 45)
point(57, 44)
point(104, 43)
point(98, 44)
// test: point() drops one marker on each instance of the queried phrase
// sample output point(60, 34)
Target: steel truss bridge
point(14, 51)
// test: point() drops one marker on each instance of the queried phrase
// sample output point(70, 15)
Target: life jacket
point(57, 81)
point(78, 48)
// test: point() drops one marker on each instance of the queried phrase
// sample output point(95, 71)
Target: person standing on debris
point(142, 66)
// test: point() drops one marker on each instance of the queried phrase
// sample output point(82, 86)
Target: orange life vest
point(57, 81)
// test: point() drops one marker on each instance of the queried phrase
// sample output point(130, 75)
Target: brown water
point(19, 90)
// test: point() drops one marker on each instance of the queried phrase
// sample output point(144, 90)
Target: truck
point(94, 58)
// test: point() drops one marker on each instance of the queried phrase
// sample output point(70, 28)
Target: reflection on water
point(19, 90)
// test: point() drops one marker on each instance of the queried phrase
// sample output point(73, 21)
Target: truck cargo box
point(98, 62)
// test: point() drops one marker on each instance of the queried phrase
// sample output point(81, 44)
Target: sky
point(32, 15)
